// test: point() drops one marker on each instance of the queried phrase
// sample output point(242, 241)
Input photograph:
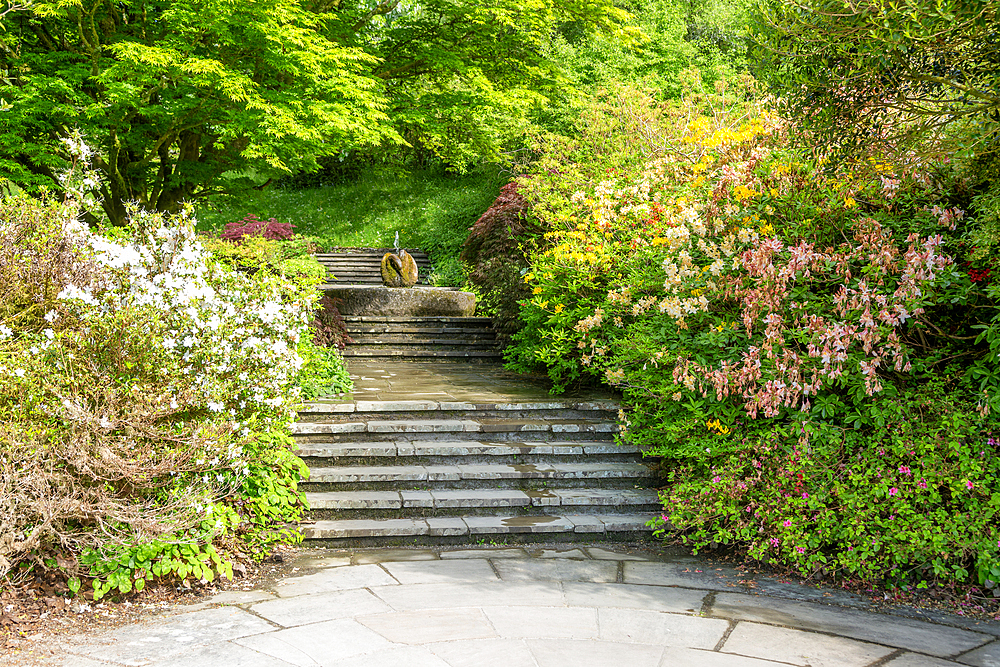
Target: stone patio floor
point(509, 606)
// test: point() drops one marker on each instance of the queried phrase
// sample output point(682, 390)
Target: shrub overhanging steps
point(405, 472)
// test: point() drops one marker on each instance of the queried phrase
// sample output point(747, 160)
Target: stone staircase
point(362, 266)
point(390, 472)
point(421, 338)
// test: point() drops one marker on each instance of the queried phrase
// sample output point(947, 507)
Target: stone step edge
point(395, 319)
point(477, 525)
point(463, 448)
point(344, 407)
point(454, 426)
point(477, 498)
point(474, 472)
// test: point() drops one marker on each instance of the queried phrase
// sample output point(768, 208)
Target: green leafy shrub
point(909, 504)
point(756, 303)
point(323, 371)
point(135, 377)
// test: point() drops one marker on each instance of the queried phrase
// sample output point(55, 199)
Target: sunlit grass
point(430, 211)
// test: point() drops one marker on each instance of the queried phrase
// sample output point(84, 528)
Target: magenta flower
point(969, 485)
point(893, 491)
point(904, 470)
point(805, 495)
point(788, 523)
point(922, 484)
point(801, 550)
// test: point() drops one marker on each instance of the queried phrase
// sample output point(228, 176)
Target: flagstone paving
point(574, 605)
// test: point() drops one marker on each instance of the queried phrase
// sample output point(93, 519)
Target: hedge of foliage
point(146, 390)
point(811, 348)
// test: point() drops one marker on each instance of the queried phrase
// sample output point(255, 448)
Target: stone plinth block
point(399, 302)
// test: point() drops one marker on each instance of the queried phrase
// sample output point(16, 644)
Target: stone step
point(463, 448)
point(329, 407)
point(421, 355)
point(461, 529)
point(361, 329)
point(407, 341)
point(364, 429)
point(390, 319)
point(479, 498)
point(475, 472)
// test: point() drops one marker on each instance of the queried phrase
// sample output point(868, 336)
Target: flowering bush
point(740, 291)
point(145, 390)
point(252, 226)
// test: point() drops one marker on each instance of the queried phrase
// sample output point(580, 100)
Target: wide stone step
point(546, 527)
point(416, 329)
point(321, 407)
point(422, 355)
point(369, 430)
point(407, 341)
point(462, 448)
point(478, 498)
point(466, 472)
point(395, 319)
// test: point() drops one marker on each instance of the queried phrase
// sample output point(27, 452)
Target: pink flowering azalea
point(893, 491)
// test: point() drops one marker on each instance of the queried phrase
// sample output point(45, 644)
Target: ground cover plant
point(796, 339)
point(146, 390)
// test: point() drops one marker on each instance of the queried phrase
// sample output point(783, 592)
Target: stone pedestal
point(402, 302)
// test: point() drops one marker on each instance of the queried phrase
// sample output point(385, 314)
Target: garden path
point(573, 606)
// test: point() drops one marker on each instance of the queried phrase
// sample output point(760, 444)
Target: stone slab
point(799, 647)
point(642, 626)
point(598, 553)
point(305, 609)
point(689, 657)
point(552, 622)
point(915, 660)
point(689, 575)
point(240, 597)
point(354, 500)
point(484, 653)
point(406, 656)
point(935, 640)
point(987, 656)
point(335, 579)
point(484, 553)
point(393, 555)
point(571, 554)
point(417, 498)
point(430, 625)
point(577, 653)
point(445, 596)
point(480, 498)
point(485, 525)
point(624, 596)
point(441, 571)
point(328, 641)
point(223, 654)
point(446, 526)
point(365, 528)
point(144, 643)
point(586, 523)
point(557, 570)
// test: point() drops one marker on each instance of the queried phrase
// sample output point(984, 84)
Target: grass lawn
point(430, 210)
